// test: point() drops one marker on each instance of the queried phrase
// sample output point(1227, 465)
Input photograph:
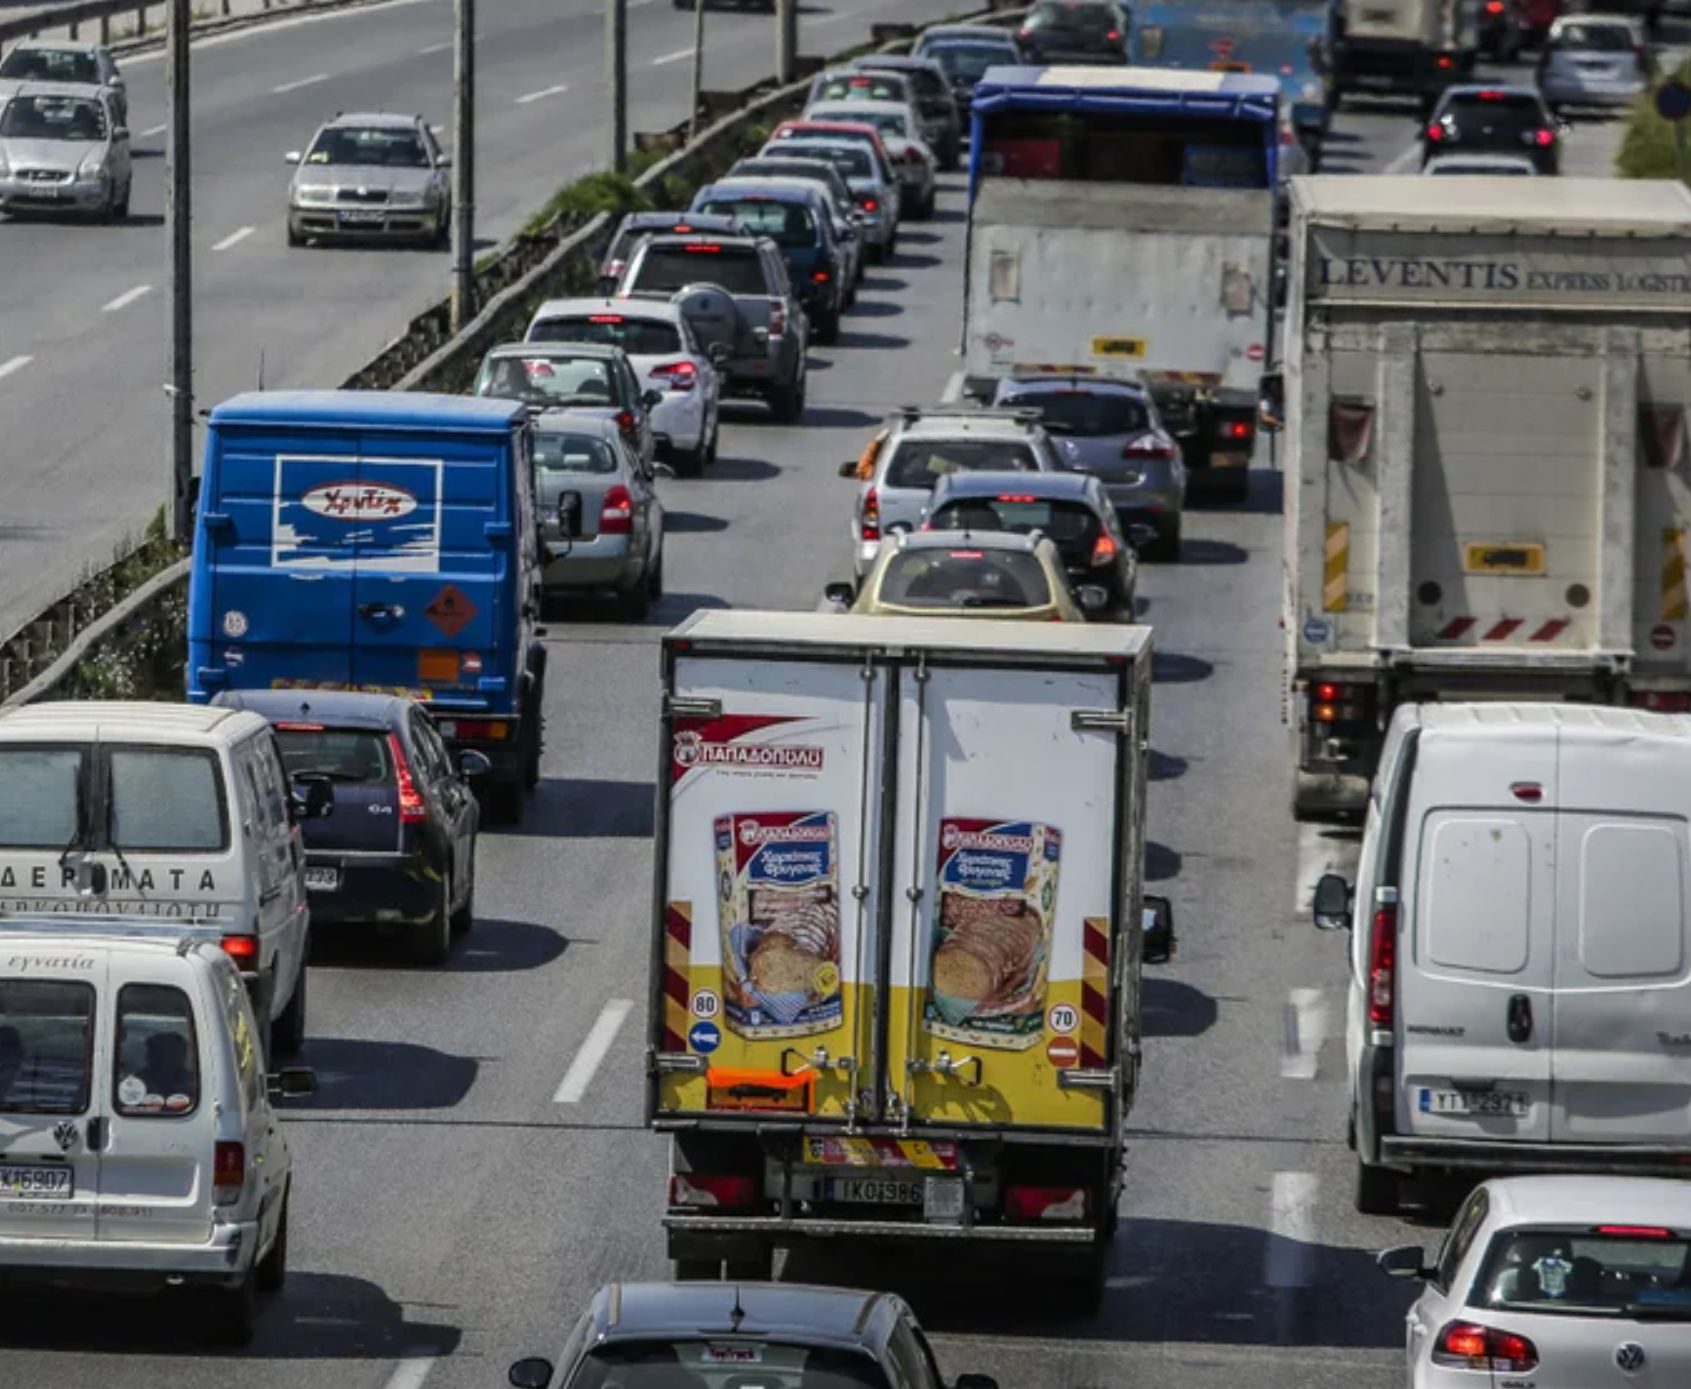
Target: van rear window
point(158, 1055)
point(166, 799)
point(341, 754)
point(38, 809)
point(921, 463)
point(46, 1046)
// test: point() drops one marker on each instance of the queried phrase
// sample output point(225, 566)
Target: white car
point(1487, 165)
point(1556, 1283)
point(665, 355)
point(63, 149)
point(901, 132)
point(1594, 60)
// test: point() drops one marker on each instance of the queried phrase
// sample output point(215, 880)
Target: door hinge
point(1102, 720)
point(693, 707)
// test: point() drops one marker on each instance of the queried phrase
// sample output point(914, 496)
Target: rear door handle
point(392, 610)
point(1520, 1018)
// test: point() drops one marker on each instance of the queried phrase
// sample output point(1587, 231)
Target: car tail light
point(1443, 60)
point(1104, 548)
point(821, 277)
point(625, 422)
point(1148, 446)
point(1239, 431)
point(300, 727)
point(677, 376)
point(682, 228)
point(1494, 6)
point(1333, 702)
point(1114, 36)
point(1025, 32)
point(243, 950)
point(604, 318)
point(777, 318)
point(703, 248)
point(1489, 94)
point(413, 810)
point(1662, 701)
point(1636, 1231)
point(715, 1190)
point(1436, 132)
point(1045, 1202)
point(1469, 1346)
point(228, 1172)
point(869, 204)
point(616, 516)
point(1382, 965)
point(1014, 497)
point(475, 730)
point(869, 519)
point(1543, 137)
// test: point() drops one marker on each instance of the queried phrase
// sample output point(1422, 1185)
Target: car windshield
point(861, 86)
point(921, 463)
point(1067, 14)
point(968, 62)
point(572, 453)
point(54, 118)
point(787, 224)
point(547, 380)
point(887, 122)
point(164, 799)
point(342, 754)
point(1614, 1270)
point(669, 268)
point(851, 163)
point(46, 1046)
point(1084, 413)
point(737, 1363)
point(1069, 525)
point(51, 65)
point(964, 578)
point(639, 337)
point(1500, 110)
point(393, 148)
point(1600, 38)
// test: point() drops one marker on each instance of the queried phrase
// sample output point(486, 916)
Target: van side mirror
point(651, 399)
point(312, 796)
point(291, 157)
point(1157, 921)
point(849, 468)
point(1404, 1261)
point(532, 1373)
point(292, 1081)
point(473, 765)
point(1271, 402)
point(842, 593)
point(1333, 899)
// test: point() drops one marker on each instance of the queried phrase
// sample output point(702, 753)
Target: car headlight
point(94, 166)
point(314, 193)
point(405, 197)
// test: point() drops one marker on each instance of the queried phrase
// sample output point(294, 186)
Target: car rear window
point(46, 1046)
point(1616, 1270)
point(342, 754)
point(158, 1055)
point(552, 381)
point(573, 453)
point(1070, 525)
point(1508, 109)
point(639, 337)
point(1064, 14)
point(1084, 413)
point(964, 578)
point(51, 65)
point(1601, 38)
point(887, 122)
point(165, 799)
point(861, 86)
point(669, 268)
point(851, 163)
point(786, 224)
point(921, 463)
point(969, 61)
point(740, 1363)
point(38, 810)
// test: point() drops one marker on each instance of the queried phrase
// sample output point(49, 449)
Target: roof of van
point(1497, 203)
point(94, 931)
point(1487, 718)
point(1052, 641)
point(132, 720)
point(393, 409)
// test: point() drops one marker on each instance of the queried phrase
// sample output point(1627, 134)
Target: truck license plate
point(1510, 1104)
point(322, 879)
point(876, 1191)
point(35, 1183)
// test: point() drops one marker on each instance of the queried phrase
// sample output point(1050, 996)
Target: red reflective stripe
point(1456, 627)
point(1503, 629)
point(1551, 629)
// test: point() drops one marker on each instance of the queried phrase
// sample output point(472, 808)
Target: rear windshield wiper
point(983, 601)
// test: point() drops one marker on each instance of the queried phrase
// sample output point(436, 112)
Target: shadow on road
point(1173, 1009)
point(741, 470)
point(354, 1074)
point(1196, 550)
point(1164, 767)
point(584, 808)
point(1161, 862)
point(1170, 668)
point(692, 523)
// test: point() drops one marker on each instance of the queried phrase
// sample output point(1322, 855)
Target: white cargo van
point(1520, 993)
point(167, 811)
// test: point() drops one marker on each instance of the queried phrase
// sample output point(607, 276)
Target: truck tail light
point(1382, 966)
point(1238, 431)
point(676, 376)
point(1331, 702)
point(413, 809)
point(869, 518)
point(1045, 1203)
point(243, 950)
point(777, 318)
point(475, 730)
point(616, 516)
point(1467, 1345)
point(713, 1190)
point(1662, 701)
point(1104, 548)
point(228, 1172)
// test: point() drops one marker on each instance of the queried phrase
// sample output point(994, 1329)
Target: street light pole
point(179, 216)
point(698, 67)
point(786, 40)
point(616, 79)
point(463, 163)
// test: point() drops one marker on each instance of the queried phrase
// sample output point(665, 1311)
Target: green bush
point(1647, 149)
point(577, 202)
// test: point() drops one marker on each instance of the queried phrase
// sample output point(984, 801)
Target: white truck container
point(1485, 398)
point(1406, 47)
point(898, 933)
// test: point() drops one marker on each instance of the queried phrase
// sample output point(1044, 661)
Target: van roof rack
point(114, 926)
point(971, 412)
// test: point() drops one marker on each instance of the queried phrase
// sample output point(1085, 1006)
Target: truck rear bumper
point(767, 1227)
point(1637, 1158)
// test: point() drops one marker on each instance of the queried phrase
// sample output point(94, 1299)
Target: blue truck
point(385, 541)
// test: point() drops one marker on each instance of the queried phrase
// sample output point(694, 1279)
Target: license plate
point(322, 879)
point(876, 1191)
point(1509, 1104)
point(35, 1183)
point(363, 218)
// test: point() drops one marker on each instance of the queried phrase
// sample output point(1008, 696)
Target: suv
point(371, 177)
point(874, 189)
point(1502, 120)
point(942, 126)
point(593, 377)
point(906, 460)
point(1073, 31)
point(734, 290)
point(635, 225)
point(140, 1143)
point(797, 217)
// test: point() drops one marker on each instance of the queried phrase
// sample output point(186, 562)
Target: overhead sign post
point(1673, 103)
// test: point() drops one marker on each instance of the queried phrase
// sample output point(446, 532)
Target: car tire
point(441, 238)
point(878, 254)
point(294, 237)
point(533, 736)
point(123, 202)
point(690, 462)
point(828, 327)
point(925, 209)
point(654, 579)
point(1165, 549)
point(464, 919)
point(233, 1312)
point(273, 1267)
point(108, 210)
point(431, 942)
point(287, 1034)
point(715, 442)
point(635, 601)
point(1377, 1189)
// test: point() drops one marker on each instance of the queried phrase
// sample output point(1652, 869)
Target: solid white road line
point(235, 238)
point(428, 48)
point(953, 389)
point(153, 130)
point(1306, 1029)
point(311, 81)
point(599, 1038)
point(542, 94)
point(410, 1374)
point(1405, 162)
point(15, 364)
point(674, 57)
point(1286, 1259)
point(128, 297)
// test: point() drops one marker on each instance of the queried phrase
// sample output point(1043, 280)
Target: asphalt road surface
point(453, 1210)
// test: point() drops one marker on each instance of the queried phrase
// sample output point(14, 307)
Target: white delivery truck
point(1485, 401)
point(1124, 218)
point(898, 933)
point(1402, 47)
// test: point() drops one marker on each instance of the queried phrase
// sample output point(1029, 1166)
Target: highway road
point(458, 1201)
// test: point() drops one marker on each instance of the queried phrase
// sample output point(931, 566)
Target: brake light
point(968, 554)
point(677, 376)
point(1104, 548)
point(243, 950)
point(1045, 1202)
point(821, 277)
point(1489, 95)
point(616, 516)
point(300, 727)
point(1382, 966)
point(625, 422)
point(1436, 132)
point(604, 318)
point(475, 730)
point(869, 204)
point(1543, 138)
point(1016, 497)
point(1636, 1231)
point(777, 318)
point(1443, 60)
point(413, 810)
point(1114, 36)
point(869, 519)
point(1494, 6)
point(1470, 1346)
point(681, 228)
point(228, 1172)
point(703, 248)
point(1662, 701)
point(711, 1189)
point(1237, 429)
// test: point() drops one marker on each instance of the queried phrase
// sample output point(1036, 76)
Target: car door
point(643, 491)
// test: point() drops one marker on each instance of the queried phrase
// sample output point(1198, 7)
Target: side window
point(437, 745)
point(928, 1356)
point(243, 1038)
point(1462, 1231)
point(273, 781)
point(252, 797)
point(157, 1072)
point(46, 1046)
point(428, 763)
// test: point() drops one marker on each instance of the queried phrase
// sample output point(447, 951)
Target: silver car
point(601, 520)
point(1108, 427)
point(371, 177)
point(901, 133)
point(63, 149)
point(65, 63)
point(1594, 60)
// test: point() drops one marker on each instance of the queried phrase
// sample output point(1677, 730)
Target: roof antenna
point(738, 1313)
point(261, 368)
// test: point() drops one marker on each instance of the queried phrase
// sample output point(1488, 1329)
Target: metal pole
point(698, 67)
point(1679, 149)
point(786, 40)
point(463, 163)
point(179, 217)
point(616, 79)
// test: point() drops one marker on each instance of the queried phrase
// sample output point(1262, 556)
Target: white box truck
point(1403, 47)
point(899, 924)
point(1487, 491)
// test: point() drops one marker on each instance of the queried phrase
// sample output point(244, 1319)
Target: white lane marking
point(674, 57)
point(544, 92)
point(1291, 1230)
point(273, 26)
point(599, 1038)
point(1404, 162)
point(428, 48)
point(1306, 1030)
point(235, 238)
point(15, 364)
point(153, 130)
point(128, 297)
point(953, 389)
point(410, 1373)
point(295, 85)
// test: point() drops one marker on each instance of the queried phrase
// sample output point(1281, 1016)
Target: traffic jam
point(904, 978)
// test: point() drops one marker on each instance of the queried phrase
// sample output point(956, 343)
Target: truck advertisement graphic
point(334, 512)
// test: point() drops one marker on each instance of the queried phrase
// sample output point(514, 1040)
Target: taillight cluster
point(1045, 1203)
point(1333, 702)
point(676, 376)
point(869, 516)
point(229, 1172)
point(1104, 548)
point(626, 423)
point(1467, 1345)
point(1238, 431)
point(777, 318)
point(616, 514)
point(869, 204)
point(1543, 137)
point(1382, 965)
point(1662, 701)
point(1149, 448)
point(413, 809)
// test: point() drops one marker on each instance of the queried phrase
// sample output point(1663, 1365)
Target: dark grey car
point(942, 125)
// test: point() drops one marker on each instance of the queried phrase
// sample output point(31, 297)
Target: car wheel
point(288, 1034)
point(108, 210)
point(787, 403)
point(690, 462)
point(715, 440)
point(294, 237)
point(233, 1312)
point(273, 1267)
point(878, 254)
point(533, 730)
point(828, 327)
point(464, 919)
point(654, 580)
point(1165, 549)
point(432, 943)
point(1376, 1189)
point(123, 202)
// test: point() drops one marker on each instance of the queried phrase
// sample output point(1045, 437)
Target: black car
point(399, 848)
point(965, 57)
point(1074, 31)
point(728, 1335)
point(635, 225)
point(1493, 120)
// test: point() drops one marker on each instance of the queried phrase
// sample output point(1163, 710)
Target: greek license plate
point(362, 218)
point(35, 1183)
point(1510, 1104)
point(876, 1191)
point(322, 879)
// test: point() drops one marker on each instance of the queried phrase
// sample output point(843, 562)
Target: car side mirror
point(1093, 598)
point(312, 795)
point(849, 468)
point(1333, 899)
point(291, 157)
point(291, 1081)
point(843, 593)
point(975, 1382)
point(1157, 918)
point(120, 132)
point(444, 162)
point(1404, 1261)
point(532, 1373)
point(652, 399)
point(569, 514)
point(473, 765)
point(719, 352)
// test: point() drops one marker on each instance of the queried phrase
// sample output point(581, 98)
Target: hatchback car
point(874, 188)
point(664, 353)
point(936, 104)
point(586, 376)
point(63, 149)
point(965, 52)
point(970, 574)
point(1073, 513)
point(400, 848)
point(65, 63)
point(371, 177)
point(1073, 31)
point(1594, 60)
point(1109, 427)
point(1497, 120)
point(635, 225)
point(602, 524)
point(740, 1335)
point(1561, 1282)
point(797, 218)
point(900, 130)
point(826, 177)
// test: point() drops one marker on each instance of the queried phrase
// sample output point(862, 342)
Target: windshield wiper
point(80, 833)
point(976, 600)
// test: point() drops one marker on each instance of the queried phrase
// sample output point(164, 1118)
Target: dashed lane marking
point(599, 1039)
point(14, 364)
point(128, 297)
